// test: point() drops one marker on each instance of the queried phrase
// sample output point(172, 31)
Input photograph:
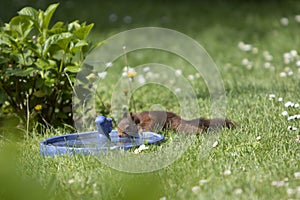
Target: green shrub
point(39, 65)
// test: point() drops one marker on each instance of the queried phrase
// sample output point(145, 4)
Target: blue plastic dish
point(88, 143)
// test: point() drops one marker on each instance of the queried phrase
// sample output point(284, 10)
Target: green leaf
point(3, 60)
point(21, 24)
point(46, 64)
point(24, 58)
point(36, 48)
point(39, 93)
point(19, 72)
point(82, 32)
point(40, 20)
point(32, 14)
point(29, 11)
point(57, 28)
point(5, 39)
point(73, 26)
point(48, 14)
point(78, 46)
point(61, 40)
point(72, 69)
point(81, 43)
point(58, 25)
point(42, 64)
point(3, 96)
point(39, 83)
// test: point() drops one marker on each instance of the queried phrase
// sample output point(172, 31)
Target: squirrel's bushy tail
point(216, 123)
point(201, 124)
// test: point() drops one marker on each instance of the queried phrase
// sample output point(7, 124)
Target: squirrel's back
point(157, 120)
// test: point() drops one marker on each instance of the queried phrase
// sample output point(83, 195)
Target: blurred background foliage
point(218, 26)
point(119, 15)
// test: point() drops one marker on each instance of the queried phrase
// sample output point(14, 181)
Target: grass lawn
point(260, 159)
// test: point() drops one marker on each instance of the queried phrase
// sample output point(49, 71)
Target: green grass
point(255, 164)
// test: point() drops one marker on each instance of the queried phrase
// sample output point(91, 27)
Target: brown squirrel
point(134, 124)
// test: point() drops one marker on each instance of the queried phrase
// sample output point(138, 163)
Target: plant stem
point(71, 84)
point(27, 117)
point(101, 101)
point(129, 81)
point(14, 104)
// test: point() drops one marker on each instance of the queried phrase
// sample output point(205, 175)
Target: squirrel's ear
point(125, 114)
point(134, 118)
point(131, 115)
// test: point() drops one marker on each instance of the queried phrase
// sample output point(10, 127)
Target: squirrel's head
point(128, 126)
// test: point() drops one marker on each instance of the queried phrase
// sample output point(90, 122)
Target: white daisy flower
point(267, 65)
point(284, 21)
point(290, 191)
point(146, 69)
point(140, 149)
point(294, 117)
point(71, 181)
point(254, 50)
point(284, 113)
point(178, 72)
point(244, 47)
point(267, 56)
point(290, 73)
point(282, 74)
point(292, 128)
point(297, 175)
point(293, 53)
point(297, 18)
point(227, 172)
point(215, 144)
point(191, 77)
point(238, 191)
point(271, 96)
point(102, 75)
point(287, 57)
point(109, 64)
point(177, 90)
point(203, 181)
point(141, 79)
point(196, 189)
point(258, 138)
point(289, 104)
point(246, 61)
point(278, 183)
